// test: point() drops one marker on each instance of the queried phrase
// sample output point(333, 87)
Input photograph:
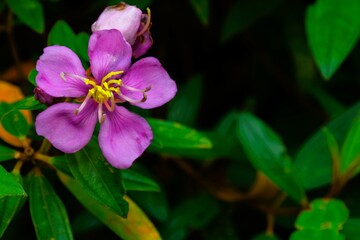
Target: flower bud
point(144, 40)
point(131, 22)
point(43, 97)
point(123, 17)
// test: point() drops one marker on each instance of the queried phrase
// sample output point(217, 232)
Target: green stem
point(45, 146)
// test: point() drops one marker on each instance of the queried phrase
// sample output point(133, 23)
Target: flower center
point(108, 93)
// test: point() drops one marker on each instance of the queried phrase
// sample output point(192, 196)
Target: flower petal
point(65, 130)
point(108, 52)
point(123, 137)
point(148, 72)
point(54, 61)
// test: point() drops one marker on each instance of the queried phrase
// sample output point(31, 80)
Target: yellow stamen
point(109, 75)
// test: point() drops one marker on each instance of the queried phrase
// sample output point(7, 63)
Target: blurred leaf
point(82, 41)
point(328, 234)
point(265, 237)
point(332, 106)
point(314, 154)
point(333, 29)
point(175, 135)
point(153, 203)
point(221, 228)
point(48, 213)
point(186, 104)
point(267, 153)
point(6, 153)
point(9, 206)
point(98, 178)
point(351, 229)
point(10, 185)
point(323, 220)
point(134, 181)
point(350, 152)
point(13, 121)
point(85, 222)
point(142, 4)
point(245, 13)
point(333, 149)
point(10, 93)
point(61, 164)
point(29, 12)
point(323, 213)
point(28, 103)
point(31, 77)
point(194, 213)
point(2, 6)
point(136, 227)
point(201, 8)
point(62, 34)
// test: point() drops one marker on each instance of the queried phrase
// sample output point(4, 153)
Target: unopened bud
point(131, 22)
point(123, 17)
point(43, 97)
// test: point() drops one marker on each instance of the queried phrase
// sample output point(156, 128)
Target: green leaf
point(194, 213)
point(15, 123)
point(82, 41)
point(350, 152)
point(132, 228)
point(267, 153)
point(327, 234)
point(323, 220)
point(29, 12)
point(201, 8)
point(315, 154)
point(245, 13)
point(85, 222)
point(6, 153)
point(134, 181)
point(28, 103)
point(332, 106)
point(9, 206)
point(333, 29)
point(185, 106)
point(351, 229)
point(32, 76)
point(98, 178)
point(48, 213)
point(61, 164)
point(9, 185)
point(154, 204)
point(62, 34)
point(175, 135)
point(142, 4)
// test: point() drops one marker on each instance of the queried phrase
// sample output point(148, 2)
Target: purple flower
point(123, 136)
point(131, 22)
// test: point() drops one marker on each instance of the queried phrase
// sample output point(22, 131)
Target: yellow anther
point(109, 75)
point(115, 81)
point(90, 82)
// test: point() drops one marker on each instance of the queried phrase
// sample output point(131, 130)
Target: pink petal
point(65, 130)
point(148, 72)
point(108, 52)
point(54, 61)
point(123, 137)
